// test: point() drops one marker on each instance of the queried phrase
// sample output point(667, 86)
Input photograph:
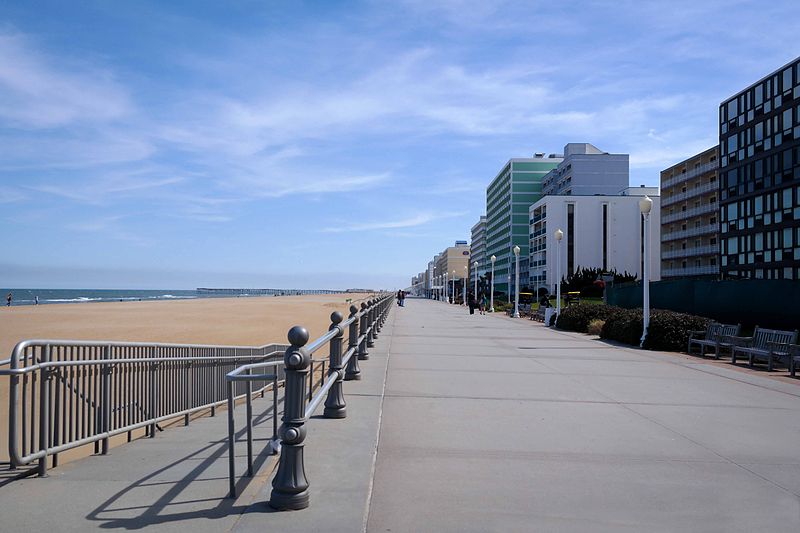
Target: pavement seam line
point(378, 435)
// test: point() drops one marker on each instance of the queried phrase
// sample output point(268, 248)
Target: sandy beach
point(229, 321)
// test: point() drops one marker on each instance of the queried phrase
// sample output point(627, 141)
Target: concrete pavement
point(492, 424)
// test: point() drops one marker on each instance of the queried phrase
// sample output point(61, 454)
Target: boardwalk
point(474, 423)
point(495, 425)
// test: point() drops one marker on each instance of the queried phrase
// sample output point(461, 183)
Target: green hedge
point(669, 331)
point(577, 317)
point(624, 325)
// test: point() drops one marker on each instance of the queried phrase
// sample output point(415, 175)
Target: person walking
point(472, 303)
point(9, 297)
point(483, 304)
point(35, 300)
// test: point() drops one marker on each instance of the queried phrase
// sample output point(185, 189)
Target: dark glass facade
point(760, 178)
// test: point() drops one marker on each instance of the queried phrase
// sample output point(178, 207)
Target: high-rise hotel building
point(508, 198)
point(760, 178)
point(690, 217)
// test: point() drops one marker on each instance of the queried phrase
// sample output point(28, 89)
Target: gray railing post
point(353, 372)
point(44, 412)
point(363, 354)
point(153, 398)
point(105, 388)
point(371, 324)
point(290, 487)
point(376, 313)
point(335, 406)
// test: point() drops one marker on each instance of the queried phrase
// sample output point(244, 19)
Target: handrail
point(68, 393)
point(290, 486)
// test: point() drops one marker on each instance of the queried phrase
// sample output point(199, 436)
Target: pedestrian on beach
point(9, 297)
point(472, 303)
point(35, 300)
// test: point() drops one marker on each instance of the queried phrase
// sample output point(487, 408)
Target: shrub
point(623, 325)
point(578, 317)
point(595, 326)
point(669, 331)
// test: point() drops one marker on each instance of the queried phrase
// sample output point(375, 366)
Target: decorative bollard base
point(289, 502)
point(336, 413)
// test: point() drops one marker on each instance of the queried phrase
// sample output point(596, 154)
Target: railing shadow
point(149, 514)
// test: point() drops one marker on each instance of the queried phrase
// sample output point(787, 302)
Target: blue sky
point(307, 144)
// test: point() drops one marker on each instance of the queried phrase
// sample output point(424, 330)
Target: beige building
point(454, 258)
point(690, 217)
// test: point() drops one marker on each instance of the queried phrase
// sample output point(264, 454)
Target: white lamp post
point(645, 206)
point(454, 287)
point(516, 282)
point(491, 288)
point(464, 286)
point(558, 235)
point(475, 290)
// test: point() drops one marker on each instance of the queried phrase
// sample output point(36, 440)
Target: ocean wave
point(80, 299)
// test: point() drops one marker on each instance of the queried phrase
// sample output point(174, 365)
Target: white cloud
point(37, 91)
point(419, 219)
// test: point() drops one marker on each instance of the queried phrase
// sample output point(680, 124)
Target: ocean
point(64, 296)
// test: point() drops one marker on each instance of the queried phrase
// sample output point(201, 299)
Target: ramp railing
point(64, 394)
point(290, 486)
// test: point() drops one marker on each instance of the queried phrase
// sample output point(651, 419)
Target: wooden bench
point(714, 336)
point(794, 357)
point(769, 344)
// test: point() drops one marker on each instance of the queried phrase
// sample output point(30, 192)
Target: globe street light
point(475, 290)
point(645, 206)
point(491, 287)
point(558, 235)
point(516, 283)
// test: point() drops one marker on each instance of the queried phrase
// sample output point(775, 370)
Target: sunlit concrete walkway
point(492, 424)
point(472, 423)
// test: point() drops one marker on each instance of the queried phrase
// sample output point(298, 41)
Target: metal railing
point(690, 193)
point(290, 486)
point(689, 174)
point(690, 271)
point(689, 213)
point(691, 252)
point(64, 394)
point(689, 232)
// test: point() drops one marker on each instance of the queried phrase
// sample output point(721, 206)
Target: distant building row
point(732, 211)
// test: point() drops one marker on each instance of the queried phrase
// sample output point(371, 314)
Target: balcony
point(689, 213)
point(691, 252)
point(691, 232)
point(690, 271)
point(693, 173)
point(690, 193)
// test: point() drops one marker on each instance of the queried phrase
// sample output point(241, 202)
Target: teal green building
point(508, 198)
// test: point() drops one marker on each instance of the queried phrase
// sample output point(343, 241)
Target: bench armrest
point(738, 341)
point(779, 347)
point(696, 333)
